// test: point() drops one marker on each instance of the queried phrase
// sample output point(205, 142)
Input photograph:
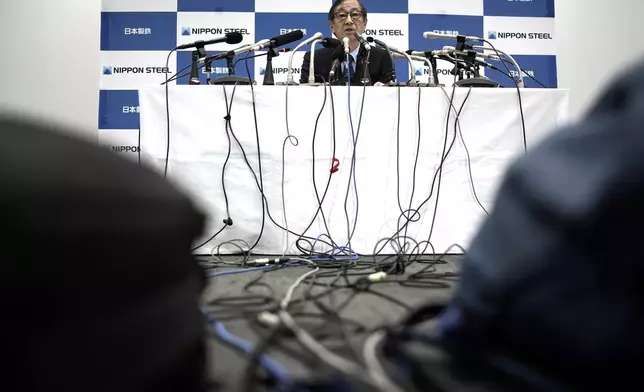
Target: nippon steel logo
point(385, 32)
point(524, 72)
point(286, 31)
point(279, 70)
point(516, 35)
point(122, 149)
point(421, 71)
point(212, 30)
point(112, 70)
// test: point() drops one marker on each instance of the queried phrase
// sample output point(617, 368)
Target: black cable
point(413, 187)
point(353, 164)
point(431, 230)
point(440, 170)
point(320, 209)
point(178, 76)
point(260, 187)
point(259, 153)
point(228, 221)
point(209, 239)
point(415, 275)
point(320, 201)
point(294, 142)
point(469, 169)
point(499, 70)
point(246, 58)
point(444, 155)
point(259, 182)
point(167, 117)
point(532, 77)
point(525, 139)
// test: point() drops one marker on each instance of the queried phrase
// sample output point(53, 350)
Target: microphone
point(345, 41)
point(283, 39)
point(432, 35)
point(337, 59)
point(316, 36)
point(520, 83)
point(235, 52)
point(428, 54)
point(412, 71)
point(231, 38)
point(469, 52)
point(363, 42)
point(427, 60)
point(194, 73)
point(329, 42)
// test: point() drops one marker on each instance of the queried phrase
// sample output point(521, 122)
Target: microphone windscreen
point(331, 42)
point(287, 38)
point(234, 38)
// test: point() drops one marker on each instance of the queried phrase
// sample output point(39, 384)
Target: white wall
point(584, 28)
point(57, 78)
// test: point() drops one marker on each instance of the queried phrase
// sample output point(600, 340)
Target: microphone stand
point(208, 70)
point(402, 55)
point(198, 53)
point(430, 79)
point(470, 62)
point(311, 81)
point(334, 75)
point(231, 78)
point(268, 73)
point(434, 64)
point(338, 78)
point(366, 77)
point(520, 83)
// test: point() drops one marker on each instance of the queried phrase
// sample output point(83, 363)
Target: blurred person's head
point(98, 288)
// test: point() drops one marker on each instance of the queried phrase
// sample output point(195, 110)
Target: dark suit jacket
point(381, 68)
point(558, 254)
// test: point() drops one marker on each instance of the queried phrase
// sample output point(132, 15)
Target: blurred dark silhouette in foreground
point(98, 288)
point(551, 296)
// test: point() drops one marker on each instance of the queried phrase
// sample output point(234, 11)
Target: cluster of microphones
point(467, 59)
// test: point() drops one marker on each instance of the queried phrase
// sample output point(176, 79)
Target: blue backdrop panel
point(138, 30)
point(118, 109)
point(143, 38)
point(530, 8)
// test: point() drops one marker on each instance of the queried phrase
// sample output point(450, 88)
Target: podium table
point(387, 131)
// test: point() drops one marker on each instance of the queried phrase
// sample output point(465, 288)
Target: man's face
point(348, 20)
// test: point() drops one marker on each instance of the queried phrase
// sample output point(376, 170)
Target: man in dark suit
point(346, 19)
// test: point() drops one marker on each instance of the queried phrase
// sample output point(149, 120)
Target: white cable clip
point(268, 319)
point(377, 277)
point(258, 261)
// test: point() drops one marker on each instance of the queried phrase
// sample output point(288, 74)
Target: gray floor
point(227, 365)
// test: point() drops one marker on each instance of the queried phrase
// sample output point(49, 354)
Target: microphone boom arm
point(520, 83)
point(289, 77)
point(431, 80)
point(402, 55)
point(312, 64)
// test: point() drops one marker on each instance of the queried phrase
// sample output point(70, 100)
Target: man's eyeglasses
point(355, 15)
